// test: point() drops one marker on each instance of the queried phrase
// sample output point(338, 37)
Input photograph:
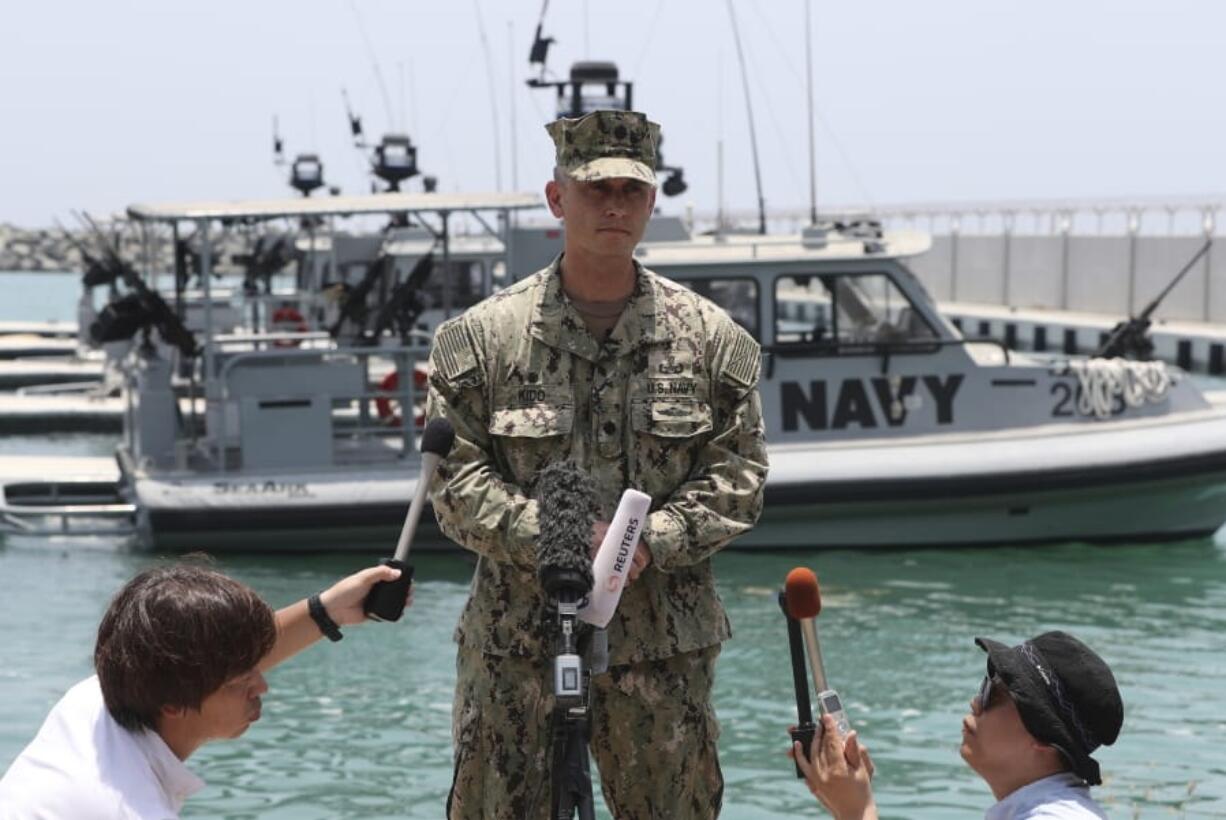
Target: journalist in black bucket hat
point(1064, 692)
point(1043, 708)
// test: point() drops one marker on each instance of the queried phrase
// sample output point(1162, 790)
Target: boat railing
point(370, 415)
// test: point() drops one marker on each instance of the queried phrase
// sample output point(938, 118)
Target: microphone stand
point(571, 778)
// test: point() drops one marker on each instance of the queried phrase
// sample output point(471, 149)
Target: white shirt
point(82, 765)
point(1063, 795)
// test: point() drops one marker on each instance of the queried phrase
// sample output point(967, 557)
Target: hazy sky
point(108, 103)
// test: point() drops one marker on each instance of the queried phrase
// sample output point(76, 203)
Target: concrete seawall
point(1112, 275)
point(47, 249)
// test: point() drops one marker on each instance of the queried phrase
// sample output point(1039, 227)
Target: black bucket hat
point(1065, 694)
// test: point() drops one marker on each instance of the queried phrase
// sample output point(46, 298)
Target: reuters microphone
point(804, 601)
point(386, 599)
point(613, 559)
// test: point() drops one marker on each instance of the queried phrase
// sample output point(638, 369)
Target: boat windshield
point(846, 312)
point(466, 278)
point(738, 296)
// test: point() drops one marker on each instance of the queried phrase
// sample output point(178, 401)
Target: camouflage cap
point(606, 145)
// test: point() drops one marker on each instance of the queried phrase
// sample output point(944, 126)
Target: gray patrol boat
point(886, 426)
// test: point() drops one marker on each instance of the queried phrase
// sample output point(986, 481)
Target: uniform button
point(610, 428)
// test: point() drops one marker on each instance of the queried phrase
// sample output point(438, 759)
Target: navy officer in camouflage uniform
point(644, 384)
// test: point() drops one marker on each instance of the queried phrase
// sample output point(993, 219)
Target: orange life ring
point(288, 319)
point(388, 408)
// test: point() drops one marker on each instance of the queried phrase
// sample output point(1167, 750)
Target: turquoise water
point(39, 297)
point(362, 728)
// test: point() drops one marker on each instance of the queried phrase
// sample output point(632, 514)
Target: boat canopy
point(739, 249)
point(335, 206)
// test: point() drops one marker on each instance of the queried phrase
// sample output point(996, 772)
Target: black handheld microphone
point(385, 601)
point(567, 498)
point(805, 728)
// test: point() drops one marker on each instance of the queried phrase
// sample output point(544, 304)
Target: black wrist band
point(320, 616)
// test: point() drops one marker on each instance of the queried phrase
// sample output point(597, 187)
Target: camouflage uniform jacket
point(668, 405)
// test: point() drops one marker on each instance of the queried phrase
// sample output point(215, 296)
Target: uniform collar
point(556, 323)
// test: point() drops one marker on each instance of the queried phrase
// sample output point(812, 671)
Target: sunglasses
point(986, 691)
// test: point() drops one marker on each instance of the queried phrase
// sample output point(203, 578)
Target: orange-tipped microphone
point(804, 602)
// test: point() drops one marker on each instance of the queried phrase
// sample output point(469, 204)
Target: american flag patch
point(454, 351)
point(742, 363)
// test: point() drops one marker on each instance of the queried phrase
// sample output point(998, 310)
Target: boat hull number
point(1068, 401)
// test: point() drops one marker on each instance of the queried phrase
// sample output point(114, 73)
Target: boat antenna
point(753, 134)
point(278, 145)
point(370, 52)
point(540, 47)
point(394, 159)
point(809, 83)
point(511, 99)
point(719, 146)
point(489, 81)
point(306, 171)
point(355, 122)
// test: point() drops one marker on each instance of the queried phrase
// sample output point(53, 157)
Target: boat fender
point(1109, 386)
point(388, 407)
point(288, 319)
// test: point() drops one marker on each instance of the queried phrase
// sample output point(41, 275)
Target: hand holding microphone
point(345, 601)
point(839, 773)
point(387, 598)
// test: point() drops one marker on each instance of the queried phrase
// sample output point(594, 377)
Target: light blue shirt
point(1058, 796)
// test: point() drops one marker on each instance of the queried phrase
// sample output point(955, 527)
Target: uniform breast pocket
point(668, 434)
point(530, 438)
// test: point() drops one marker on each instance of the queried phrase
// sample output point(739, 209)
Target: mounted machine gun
point(141, 309)
point(1130, 338)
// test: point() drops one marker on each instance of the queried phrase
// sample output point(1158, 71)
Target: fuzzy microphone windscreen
point(438, 437)
point(567, 498)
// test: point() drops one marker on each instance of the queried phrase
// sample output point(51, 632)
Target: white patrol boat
point(886, 427)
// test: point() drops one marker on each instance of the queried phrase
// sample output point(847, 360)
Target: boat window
point(498, 274)
point(466, 279)
point(737, 296)
point(841, 311)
